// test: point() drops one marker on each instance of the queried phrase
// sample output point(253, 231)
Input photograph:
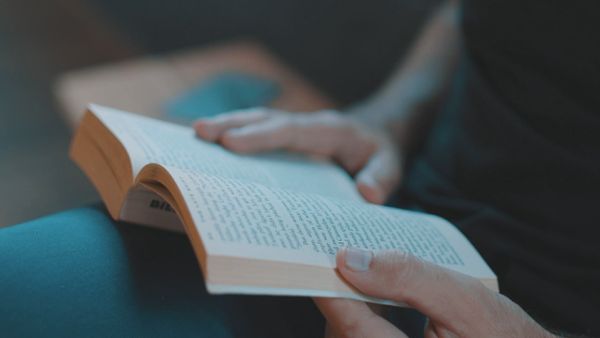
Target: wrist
point(379, 112)
point(391, 121)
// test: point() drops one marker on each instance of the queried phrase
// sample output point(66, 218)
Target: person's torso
point(514, 159)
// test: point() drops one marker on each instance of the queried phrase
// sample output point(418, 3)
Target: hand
point(368, 154)
point(455, 304)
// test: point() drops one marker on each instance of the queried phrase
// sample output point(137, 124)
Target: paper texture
point(236, 217)
point(275, 208)
point(152, 141)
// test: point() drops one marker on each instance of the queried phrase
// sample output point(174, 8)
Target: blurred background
point(342, 48)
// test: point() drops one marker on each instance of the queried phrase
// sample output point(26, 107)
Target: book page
point(255, 221)
point(152, 141)
point(143, 206)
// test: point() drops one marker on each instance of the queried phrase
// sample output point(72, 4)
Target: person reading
point(512, 160)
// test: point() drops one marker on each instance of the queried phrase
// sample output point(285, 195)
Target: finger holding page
point(456, 304)
point(443, 295)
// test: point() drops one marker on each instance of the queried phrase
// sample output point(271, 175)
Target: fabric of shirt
point(514, 158)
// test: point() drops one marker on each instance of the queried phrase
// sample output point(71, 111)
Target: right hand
point(368, 154)
point(455, 304)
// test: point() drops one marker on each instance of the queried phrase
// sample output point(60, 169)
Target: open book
point(268, 224)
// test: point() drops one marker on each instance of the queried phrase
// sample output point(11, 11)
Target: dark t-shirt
point(514, 158)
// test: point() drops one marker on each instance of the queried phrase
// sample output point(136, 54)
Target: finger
point(436, 331)
point(211, 129)
point(306, 134)
point(349, 318)
point(270, 134)
point(380, 176)
point(445, 296)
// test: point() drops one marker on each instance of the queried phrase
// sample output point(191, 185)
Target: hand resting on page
point(368, 154)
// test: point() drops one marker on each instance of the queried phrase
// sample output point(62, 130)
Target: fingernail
point(358, 259)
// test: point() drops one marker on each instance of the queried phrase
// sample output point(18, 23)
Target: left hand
point(456, 305)
point(369, 154)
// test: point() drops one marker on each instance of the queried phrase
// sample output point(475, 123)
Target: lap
point(78, 273)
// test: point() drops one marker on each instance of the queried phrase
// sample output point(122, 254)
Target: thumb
point(441, 294)
point(380, 176)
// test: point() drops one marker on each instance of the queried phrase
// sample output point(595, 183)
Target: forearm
point(420, 79)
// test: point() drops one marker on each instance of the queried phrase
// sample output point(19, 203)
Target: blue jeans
point(77, 273)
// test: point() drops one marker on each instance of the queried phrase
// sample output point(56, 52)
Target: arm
point(419, 80)
point(369, 142)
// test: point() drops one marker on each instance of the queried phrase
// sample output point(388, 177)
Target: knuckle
point(370, 146)
point(342, 128)
point(303, 130)
point(350, 329)
point(291, 127)
point(405, 268)
point(484, 306)
point(355, 327)
point(333, 119)
point(234, 144)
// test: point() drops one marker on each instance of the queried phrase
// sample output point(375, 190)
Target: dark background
point(344, 47)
